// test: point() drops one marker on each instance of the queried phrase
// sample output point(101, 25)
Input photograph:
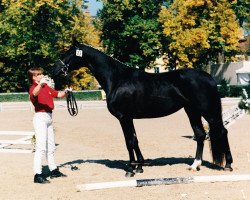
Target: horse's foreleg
point(139, 156)
point(128, 134)
point(132, 144)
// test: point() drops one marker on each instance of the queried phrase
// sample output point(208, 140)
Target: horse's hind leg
point(132, 144)
point(200, 135)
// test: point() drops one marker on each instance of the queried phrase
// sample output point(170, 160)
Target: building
point(160, 65)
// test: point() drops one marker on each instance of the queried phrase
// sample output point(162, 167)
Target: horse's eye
point(63, 50)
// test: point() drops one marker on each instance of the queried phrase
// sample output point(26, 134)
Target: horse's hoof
point(139, 170)
point(129, 174)
point(228, 169)
point(194, 169)
point(196, 165)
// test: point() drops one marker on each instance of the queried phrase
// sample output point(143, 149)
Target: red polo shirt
point(43, 102)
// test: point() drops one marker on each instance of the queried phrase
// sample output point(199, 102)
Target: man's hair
point(33, 72)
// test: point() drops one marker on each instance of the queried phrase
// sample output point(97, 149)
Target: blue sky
point(94, 6)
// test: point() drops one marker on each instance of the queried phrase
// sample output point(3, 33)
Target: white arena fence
point(7, 106)
point(230, 115)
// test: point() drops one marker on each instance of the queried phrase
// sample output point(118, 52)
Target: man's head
point(35, 74)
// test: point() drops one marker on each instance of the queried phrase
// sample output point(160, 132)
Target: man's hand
point(67, 90)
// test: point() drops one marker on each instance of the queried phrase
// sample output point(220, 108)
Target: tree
point(82, 79)
point(198, 31)
point(242, 10)
point(34, 33)
point(130, 30)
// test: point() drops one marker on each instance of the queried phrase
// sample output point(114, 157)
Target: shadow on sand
point(123, 165)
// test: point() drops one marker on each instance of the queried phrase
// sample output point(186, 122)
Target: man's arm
point(36, 90)
point(61, 94)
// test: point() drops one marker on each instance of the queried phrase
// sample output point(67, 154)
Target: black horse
point(134, 94)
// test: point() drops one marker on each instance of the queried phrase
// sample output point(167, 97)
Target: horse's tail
point(218, 143)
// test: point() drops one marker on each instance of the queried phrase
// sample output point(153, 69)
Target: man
point(41, 96)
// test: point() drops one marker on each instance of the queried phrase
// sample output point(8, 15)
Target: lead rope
point(71, 101)
point(71, 104)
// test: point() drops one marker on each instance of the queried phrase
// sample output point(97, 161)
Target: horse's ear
point(74, 41)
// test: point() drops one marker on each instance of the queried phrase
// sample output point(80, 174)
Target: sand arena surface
point(93, 141)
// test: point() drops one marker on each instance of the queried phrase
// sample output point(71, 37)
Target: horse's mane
point(115, 61)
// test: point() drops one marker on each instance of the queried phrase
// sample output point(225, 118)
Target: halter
point(65, 68)
point(71, 101)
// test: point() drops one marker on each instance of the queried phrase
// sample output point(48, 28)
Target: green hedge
point(226, 90)
point(14, 97)
point(86, 95)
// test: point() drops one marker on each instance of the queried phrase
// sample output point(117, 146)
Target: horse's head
point(71, 60)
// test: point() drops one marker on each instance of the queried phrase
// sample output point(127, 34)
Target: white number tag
point(79, 53)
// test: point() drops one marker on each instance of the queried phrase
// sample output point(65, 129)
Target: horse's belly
point(154, 111)
point(151, 107)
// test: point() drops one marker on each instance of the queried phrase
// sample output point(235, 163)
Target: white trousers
point(45, 141)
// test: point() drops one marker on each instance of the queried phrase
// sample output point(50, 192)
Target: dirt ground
point(93, 142)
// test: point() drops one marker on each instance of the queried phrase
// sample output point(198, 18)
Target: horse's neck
point(101, 67)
